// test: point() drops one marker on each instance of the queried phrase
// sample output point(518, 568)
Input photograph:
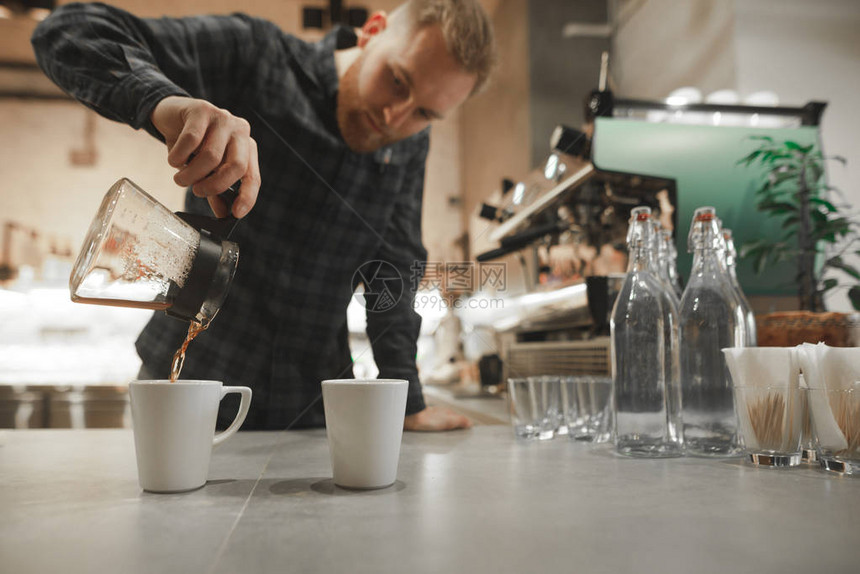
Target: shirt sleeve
point(121, 66)
point(393, 332)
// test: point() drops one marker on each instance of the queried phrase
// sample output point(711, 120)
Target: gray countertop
point(483, 409)
point(466, 501)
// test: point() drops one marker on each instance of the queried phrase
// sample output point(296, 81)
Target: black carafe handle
point(220, 228)
point(213, 231)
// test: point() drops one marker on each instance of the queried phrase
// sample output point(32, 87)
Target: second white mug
point(364, 424)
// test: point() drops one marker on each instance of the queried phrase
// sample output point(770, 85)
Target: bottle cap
point(639, 231)
point(705, 230)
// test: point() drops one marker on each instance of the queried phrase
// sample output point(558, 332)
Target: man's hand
point(222, 147)
point(436, 419)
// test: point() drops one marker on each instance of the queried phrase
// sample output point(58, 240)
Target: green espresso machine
point(698, 146)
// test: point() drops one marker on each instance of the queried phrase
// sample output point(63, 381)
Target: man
point(329, 141)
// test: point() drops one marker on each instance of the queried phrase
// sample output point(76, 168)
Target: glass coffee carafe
point(137, 253)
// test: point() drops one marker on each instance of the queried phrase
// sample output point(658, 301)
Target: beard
point(352, 118)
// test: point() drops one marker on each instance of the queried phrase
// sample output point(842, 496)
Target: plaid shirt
point(322, 211)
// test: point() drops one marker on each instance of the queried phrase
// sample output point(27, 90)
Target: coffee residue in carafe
point(194, 329)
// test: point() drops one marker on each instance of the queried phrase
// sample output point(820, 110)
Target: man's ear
point(375, 25)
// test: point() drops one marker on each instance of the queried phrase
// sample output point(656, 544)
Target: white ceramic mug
point(364, 424)
point(174, 430)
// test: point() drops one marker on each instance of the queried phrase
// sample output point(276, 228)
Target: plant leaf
point(779, 207)
point(819, 218)
point(854, 297)
point(750, 247)
point(782, 255)
point(777, 157)
point(764, 188)
point(782, 177)
point(760, 251)
point(789, 221)
point(750, 158)
point(831, 229)
point(815, 172)
point(838, 263)
point(823, 203)
point(829, 284)
point(789, 234)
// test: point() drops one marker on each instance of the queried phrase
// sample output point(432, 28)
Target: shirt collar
point(339, 38)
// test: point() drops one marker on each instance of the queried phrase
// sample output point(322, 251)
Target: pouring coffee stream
point(137, 253)
point(194, 329)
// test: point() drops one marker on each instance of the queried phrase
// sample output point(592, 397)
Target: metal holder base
point(775, 460)
point(810, 455)
point(840, 466)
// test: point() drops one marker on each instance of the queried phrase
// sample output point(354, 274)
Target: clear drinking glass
point(771, 421)
point(836, 426)
point(809, 452)
point(587, 407)
point(535, 406)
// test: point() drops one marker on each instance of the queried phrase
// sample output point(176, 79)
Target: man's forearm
point(99, 55)
point(122, 66)
point(393, 335)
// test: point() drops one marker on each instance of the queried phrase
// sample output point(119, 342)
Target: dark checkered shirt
point(322, 211)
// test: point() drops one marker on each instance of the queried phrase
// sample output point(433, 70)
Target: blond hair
point(466, 28)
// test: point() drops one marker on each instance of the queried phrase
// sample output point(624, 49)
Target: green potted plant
point(818, 227)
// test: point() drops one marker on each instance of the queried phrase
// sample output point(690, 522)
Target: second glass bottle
point(710, 320)
point(644, 349)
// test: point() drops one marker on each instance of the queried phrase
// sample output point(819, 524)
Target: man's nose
point(396, 113)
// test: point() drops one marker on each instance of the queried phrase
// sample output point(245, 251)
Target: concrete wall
point(562, 70)
point(660, 45)
point(495, 126)
point(43, 190)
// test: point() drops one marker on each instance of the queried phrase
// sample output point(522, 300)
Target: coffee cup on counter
point(174, 430)
point(364, 424)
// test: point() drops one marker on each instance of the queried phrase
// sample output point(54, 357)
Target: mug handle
point(244, 404)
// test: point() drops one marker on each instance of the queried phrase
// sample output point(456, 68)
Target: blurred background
point(488, 178)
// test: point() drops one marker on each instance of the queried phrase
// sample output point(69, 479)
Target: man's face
point(397, 86)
